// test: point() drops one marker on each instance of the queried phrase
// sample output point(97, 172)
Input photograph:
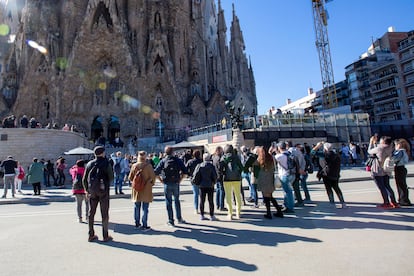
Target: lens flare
point(102, 85)
point(131, 101)
point(110, 73)
point(62, 63)
point(42, 49)
point(36, 46)
point(32, 44)
point(4, 29)
point(155, 115)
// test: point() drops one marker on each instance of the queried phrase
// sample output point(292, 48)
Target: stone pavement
point(53, 194)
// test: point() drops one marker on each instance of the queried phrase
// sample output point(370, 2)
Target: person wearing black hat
point(96, 180)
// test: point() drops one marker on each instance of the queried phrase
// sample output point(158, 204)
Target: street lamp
point(159, 107)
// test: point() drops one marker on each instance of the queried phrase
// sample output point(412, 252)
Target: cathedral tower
point(123, 67)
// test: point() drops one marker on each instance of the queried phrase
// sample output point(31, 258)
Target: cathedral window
point(102, 12)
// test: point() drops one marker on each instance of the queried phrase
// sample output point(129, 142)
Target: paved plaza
point(41, 236)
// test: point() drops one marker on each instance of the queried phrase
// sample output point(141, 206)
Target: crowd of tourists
point(217, 177)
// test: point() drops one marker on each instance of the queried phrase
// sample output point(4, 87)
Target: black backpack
point(117, 167)
point(232, 171)
point(97, 178)
point(171, 170)
point(292, 163)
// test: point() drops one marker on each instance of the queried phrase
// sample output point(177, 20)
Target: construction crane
point(320, 19)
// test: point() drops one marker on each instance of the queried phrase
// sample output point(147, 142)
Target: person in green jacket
point(35, 175)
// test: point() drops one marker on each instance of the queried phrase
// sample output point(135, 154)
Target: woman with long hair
point(77, 171)
point(400, 157)
point(265, 168)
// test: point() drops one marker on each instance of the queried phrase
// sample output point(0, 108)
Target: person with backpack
point(299, 164)
point(77, 171)
point(285, 174)
point(191, 165)
point(143, 198)
point(205, 177)
point(330, 162)
point(231, 168)
point(170, 171)
point(96, 180)
point(118, 172)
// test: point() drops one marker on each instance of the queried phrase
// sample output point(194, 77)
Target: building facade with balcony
point(406, 60)
point(379, 84)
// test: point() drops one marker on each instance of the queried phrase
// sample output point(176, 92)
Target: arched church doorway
point(114, 128)
point(97, 129)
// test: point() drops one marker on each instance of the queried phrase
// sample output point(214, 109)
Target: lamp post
point(236, 122)
point(159, 107)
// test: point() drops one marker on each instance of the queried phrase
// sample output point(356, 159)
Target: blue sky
point(280, 39)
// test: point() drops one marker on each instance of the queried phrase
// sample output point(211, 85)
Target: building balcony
point(410, 93)
point(387, 111)
point(409, 82)
point(383, 88)
point(385, 98)
point(383, 77)
point(408, 70)
point(406, 57)
point(406, 45)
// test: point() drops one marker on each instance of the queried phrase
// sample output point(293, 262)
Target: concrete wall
point(26, 143)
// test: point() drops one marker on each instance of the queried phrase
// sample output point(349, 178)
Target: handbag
point(277, 182)
point(370, 160)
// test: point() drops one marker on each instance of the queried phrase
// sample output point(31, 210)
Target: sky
point(280, 40)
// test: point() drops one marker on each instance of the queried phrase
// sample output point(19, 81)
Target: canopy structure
point(186, 145)
point(79, 151)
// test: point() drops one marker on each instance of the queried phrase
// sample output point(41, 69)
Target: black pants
point(401, 181)
point(209, 192)
point(330, 185)
point(61, 178)
point(296, 189)
point(103, 199)
point(50, 174)
point(36, 188)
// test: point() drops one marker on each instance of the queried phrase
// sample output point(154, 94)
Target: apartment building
point(406, 59)
point(380, 83)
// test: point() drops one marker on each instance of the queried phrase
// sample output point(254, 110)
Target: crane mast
point(320, 19)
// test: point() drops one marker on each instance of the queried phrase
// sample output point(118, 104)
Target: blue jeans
point(196, 193)
point(219, 195)
point(287, 189)
point(383, 184)
point(170, 190)
point(118, 181)
point(304, 186)
point(137, 213)
point(253, 192)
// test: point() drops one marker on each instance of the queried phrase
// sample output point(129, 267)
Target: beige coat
point(148, 174)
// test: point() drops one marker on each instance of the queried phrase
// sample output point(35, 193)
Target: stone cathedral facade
point(123, 67)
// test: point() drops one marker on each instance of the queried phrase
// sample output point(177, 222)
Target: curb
point(70, 197)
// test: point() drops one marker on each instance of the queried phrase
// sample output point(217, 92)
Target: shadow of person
point(187, 256)
point(225, 236)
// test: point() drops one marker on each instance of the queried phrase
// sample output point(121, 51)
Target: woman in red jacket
point(77, 171)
